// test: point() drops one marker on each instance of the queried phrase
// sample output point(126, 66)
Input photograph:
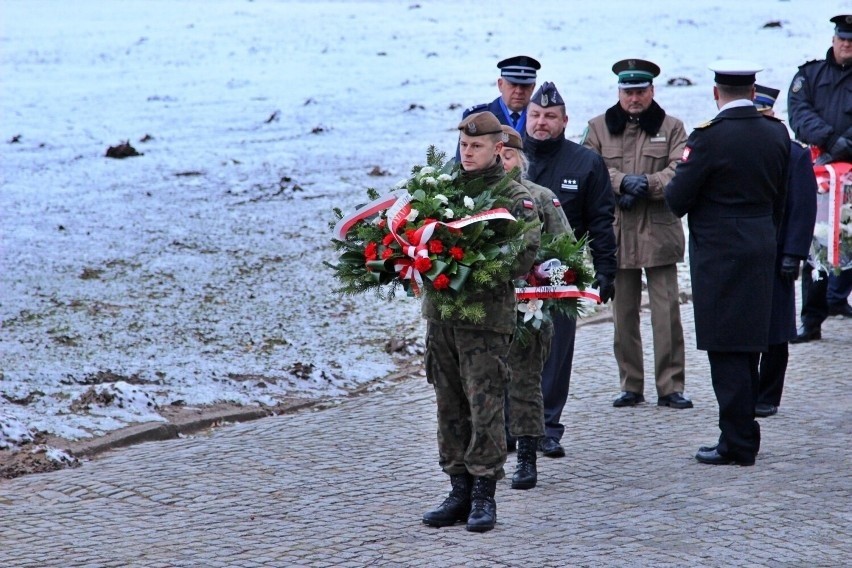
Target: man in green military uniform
point(525, 408)
point(465, 362)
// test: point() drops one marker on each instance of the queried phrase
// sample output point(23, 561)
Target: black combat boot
point(526, 475)
point(483, 508)
point(456, 507)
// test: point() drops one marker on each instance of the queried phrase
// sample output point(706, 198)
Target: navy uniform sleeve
point(805, 121)
point(683, 190)
point(800, 215)
point(599, 212)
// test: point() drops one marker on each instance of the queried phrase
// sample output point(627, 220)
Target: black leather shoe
point(708, 448)
point(843, 309)
point(551, 448)
point(674, 400)
point(628, 398)
point(764, 409)
point(804, 335)
point(715, 458)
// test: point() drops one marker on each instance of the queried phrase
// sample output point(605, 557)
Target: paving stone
point(346, 485)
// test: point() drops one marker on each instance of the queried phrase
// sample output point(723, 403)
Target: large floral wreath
point(832, 243)
point(438, 236)
point(560, 280)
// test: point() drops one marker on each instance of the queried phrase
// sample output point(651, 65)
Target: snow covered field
point(193, 274)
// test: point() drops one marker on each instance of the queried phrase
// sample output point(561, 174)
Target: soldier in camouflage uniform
point(466, 363)
point(524, 406)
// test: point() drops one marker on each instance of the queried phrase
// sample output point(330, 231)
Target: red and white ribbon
point(556, 293)
point(342, 227)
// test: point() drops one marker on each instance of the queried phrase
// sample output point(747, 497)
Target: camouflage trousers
point(468, 370)
point(524, 404)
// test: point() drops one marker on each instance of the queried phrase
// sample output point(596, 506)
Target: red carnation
point(388, 239)
point(428, 220)
point(422, 264)
point(436, 247)
point(457, 253)
point(441, 282)
point(371, 251)
point(382, 224)
point(569, 277)
point(411, 237)
point(387, 253)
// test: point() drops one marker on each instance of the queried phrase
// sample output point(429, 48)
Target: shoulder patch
point(474, 109)
point(707, 124)
point(556, 202)
point(797, 83)
point(686, 152)
point(528, 204)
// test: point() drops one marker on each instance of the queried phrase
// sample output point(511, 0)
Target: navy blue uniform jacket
point(732, 183)
point(580, 179)
point(794, 239)
point(819, 102)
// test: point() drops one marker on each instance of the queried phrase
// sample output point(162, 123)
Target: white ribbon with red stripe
point(556, 293)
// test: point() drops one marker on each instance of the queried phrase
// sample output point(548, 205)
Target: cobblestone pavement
point(346, 485)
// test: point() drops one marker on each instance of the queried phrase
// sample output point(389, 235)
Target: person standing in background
point(580, 180)
point(524, 405)
point(794, 242)
point(732, 182)
point(641, 146)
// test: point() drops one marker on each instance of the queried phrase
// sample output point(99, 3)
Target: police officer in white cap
point(732, 182)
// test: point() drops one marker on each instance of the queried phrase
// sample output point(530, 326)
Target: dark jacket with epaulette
point(732, 182)
point(819, 102)
point(500, 302)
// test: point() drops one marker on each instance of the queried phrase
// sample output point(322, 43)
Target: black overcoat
point(794, 239)
point(732, 183)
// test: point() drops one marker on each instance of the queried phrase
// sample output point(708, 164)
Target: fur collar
point(616, 119)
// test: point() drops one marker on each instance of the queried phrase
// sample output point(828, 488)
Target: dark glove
point(789, 271)
point(636, 185)
point(626, 201)
point(840, 151)
point(605, 286)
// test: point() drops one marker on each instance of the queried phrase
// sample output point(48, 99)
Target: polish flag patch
point(686, 152)
point(556, 202)
point(529, 204)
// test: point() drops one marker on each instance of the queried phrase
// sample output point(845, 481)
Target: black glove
point(605, 286)
point(840, 151)
point(789, 271)
point(626, 201)
point(636, 185)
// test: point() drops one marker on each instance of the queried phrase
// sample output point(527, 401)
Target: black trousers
point(773, 368)
point(556, 375)
point(735, 380)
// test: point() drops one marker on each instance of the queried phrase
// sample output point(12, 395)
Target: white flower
point(531, 309)
point(412, 216)
point(468, 202)
point(442, 198)
point(401, 183)
point(445, 177)
point(448, 213)
point(429, 181)
point(425, 171)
